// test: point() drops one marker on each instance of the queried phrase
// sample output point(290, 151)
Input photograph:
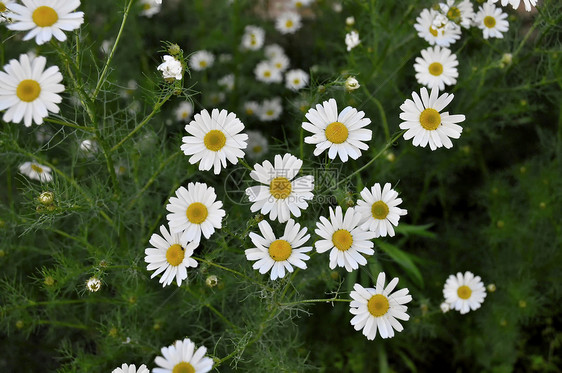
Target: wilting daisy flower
point(279, 254)
point(214, 139)
point(45, 18)
point(461, 12)
point(296, 79)
point(29, 91)
point(379, 308)
point(342, 134)
point(346, 240)
point(251, 107)
point(253, 38)
point(227, 82)
point(442, 33)
point(171, 253)
point(93, 284)
point(515, 3)
point(280, 62)
point(352, 40)
point(288, 23)
point(131, 369)
point(201, 60)
point(265, 72)
point(184, 111)
point(282, 195)
point(426, 124)
point(150, 7)
point(36, 171)
point(195, 211)
point(436, 67)
point(257, 145)
point(464, 292)
point(171, 68)
point(270, 109)
point(379, 209)
point(182, 357)
point(273, 50)
point(491, 20)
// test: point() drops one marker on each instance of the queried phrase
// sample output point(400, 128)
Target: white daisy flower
point(158, 1)
point(515, 3)
point(251, 108)
point(460, 12)
point(270, 109)
point(379, 308)
point(195, 211)
point(253, 38)
point(257, 145)
point(131, 369)
point(436, 67)
point(342, 134)
point(28, 91)
point(36, 171)
point(297, 4)
point(491, 20)
point(379, 209)
point(296, 79)
point(282, 195)
point(227, 82)
point(273, 50)
point(280, 62)
point(426, 124)
point(183, 357)
point(184, 111)
point(442, 34)
point(214, 139)
point(288, 22)
point(171, 253)
point(149, 8)
point(201, 60)
point(346, 240)
point(352, 40)
point(265, 72)
point(279, 254)
point(171, 68)
point(45, 18)
point(464, 292)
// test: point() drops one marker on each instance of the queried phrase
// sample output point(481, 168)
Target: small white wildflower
point(352, 40)
point(93, 284)
point(171, 68)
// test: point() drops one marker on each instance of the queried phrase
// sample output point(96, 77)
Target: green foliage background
point(491, 204)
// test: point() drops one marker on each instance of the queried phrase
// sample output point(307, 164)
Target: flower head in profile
point(379, 308)
point(45, 18)
point(183, 357)
point(288, 22)
point(28, 91)
point(464, 292)
point(281, 194)
point(171, 68)
point(279, 254)
point(425, 122)
point(36, 171)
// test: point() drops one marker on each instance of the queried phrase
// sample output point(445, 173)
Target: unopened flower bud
point(212, 281)
point(46, 198)
point(174, 49)
point(445, 307)
point(93, 284)
point(351, 84)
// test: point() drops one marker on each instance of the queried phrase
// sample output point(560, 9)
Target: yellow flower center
point(336, 132)
point(280, 250)
point(175, 255)
point(378, 305)
point(379, 210)
point(296, 81)
point(432, 31)
point(454, 13)
point(464, 292)
point(45, 16)
point(203, 63)
point(36, 168)
point(489, 21)
point(289, 24)
point(430, 119)
point(196, 213)
point(184, 114)
point(342, 239)
point(298, 4)
point(257, 149)
point(280, 188)
point(183, 367)
point(214, 140)
point(249, 111)
point(436, 69)
point(2, 7)
point(28, 90)
point(267, 73)
point(278, 65)
point(269, 113)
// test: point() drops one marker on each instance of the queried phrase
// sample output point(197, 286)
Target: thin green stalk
point(67, 124)
point(381, 111)
point(245, 164)
point(304, 301)
point(62, 323)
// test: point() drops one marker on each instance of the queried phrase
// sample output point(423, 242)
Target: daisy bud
point(2, 253)
point(49, 281)
point(491, 287)
point(93, 284)
point(174, 49)
point(212, 281)
point(445, 307)
point(350, 21)
point(506, 60)
point(46, 198)
point(19, 324)
point(351, 84)
point(522, 304)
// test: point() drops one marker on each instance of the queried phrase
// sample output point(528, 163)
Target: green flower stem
point(239, 274)
point(305, 301)
point(245, 164)
point(62, 323)
point(82, 241)
point(102, 77)
point(68, 124)
point(382, 113)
